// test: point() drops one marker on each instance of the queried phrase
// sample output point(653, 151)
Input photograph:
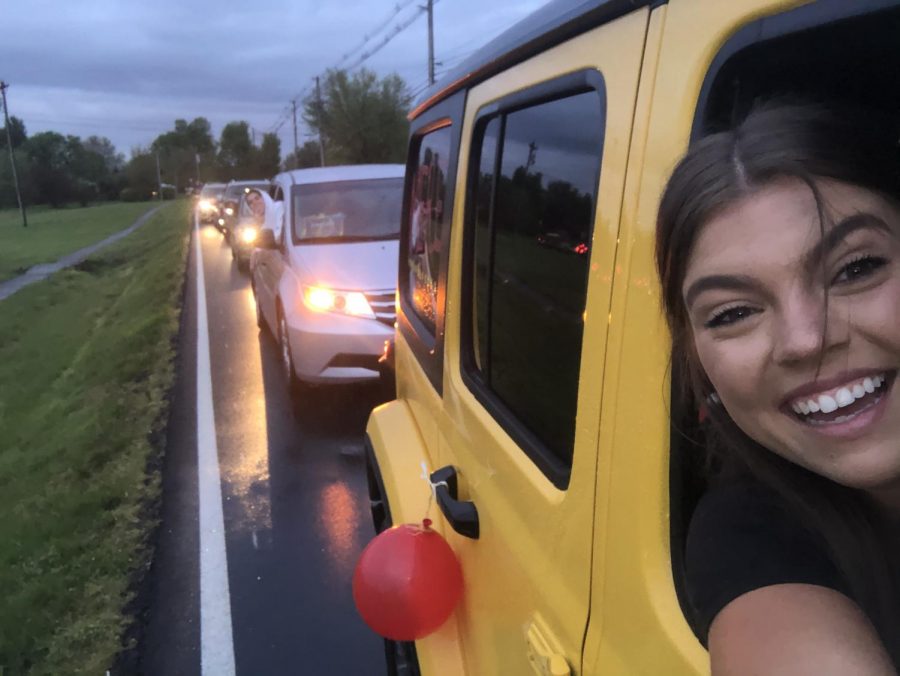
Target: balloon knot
point(426, 523)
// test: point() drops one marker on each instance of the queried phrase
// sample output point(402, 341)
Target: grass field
point(86, 361)
point(52, 233)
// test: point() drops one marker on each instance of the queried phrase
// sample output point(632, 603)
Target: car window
point(427, 221)
point(347, 210)
point(530, 233)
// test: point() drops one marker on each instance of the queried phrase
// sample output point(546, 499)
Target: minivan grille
point(383, 304)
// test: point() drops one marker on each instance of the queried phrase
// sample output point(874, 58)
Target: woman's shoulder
point(744, 536)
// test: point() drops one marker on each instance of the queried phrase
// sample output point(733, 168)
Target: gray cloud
point(127, 70)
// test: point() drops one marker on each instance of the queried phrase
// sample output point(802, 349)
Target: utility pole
point(197, 165)
point(321, 111)
point(431, 42)
point(12, 157)
point(294, 105)
point(158, 177)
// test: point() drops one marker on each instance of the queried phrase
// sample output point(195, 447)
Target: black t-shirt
point(742, 537)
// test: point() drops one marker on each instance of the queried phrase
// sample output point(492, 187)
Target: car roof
point(355, 172)
point(555, 22)
point(259, 181)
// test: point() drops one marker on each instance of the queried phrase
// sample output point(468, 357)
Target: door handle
point(462, 515)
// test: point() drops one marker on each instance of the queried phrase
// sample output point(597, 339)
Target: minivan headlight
point(229, 211)
point(205, 205)
point(248, 235)
point(323, 299)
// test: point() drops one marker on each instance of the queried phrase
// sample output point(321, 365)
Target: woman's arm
point(795, 630)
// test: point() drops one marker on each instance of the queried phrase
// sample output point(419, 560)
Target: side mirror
point(266, 240)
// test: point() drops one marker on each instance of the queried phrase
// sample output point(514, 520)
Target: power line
point(399, 7)
point(399, 28)
point(366, 55)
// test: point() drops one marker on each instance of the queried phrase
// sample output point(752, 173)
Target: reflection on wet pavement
point(339, 522)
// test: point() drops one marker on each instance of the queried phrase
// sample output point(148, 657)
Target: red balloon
point(407, 582)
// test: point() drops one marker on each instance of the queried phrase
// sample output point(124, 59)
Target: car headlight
point(248, 235)
point(206, 205)
point(229, 211)
point(322, 299)
point(221, 221)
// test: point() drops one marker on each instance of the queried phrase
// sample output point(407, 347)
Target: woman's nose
point(807, 328)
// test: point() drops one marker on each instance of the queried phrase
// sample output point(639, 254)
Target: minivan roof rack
point(555, 22)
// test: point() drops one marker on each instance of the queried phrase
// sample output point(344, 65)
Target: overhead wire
point(367, 54)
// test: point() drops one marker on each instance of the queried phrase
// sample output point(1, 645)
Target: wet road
point(293, 494)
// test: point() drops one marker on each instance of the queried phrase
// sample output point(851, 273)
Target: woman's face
point(812, 385)
point(256, 204)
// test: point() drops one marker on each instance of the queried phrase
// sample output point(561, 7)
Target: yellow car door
point(543, 158)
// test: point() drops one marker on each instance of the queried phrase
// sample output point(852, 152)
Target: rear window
point(237, 190)
point(212, 191)
point(347, 210)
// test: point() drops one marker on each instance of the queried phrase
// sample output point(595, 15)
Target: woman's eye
point(730, 316)
point(858, 269)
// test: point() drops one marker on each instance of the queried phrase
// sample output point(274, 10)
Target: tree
point(361, 118)
point(16, 132)
point(140, 173)
point(50, 155)
point(268, 157)
point(103, 147)
point(235, 150)
point(307, 156)
point(178, 151)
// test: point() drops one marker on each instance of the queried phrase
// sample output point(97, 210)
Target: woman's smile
point(847, 410)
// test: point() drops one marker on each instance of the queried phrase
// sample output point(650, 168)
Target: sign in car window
point(427, 220)
point(343, 211)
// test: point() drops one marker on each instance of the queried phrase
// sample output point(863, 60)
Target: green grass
point(86, 361)
point(53, 233)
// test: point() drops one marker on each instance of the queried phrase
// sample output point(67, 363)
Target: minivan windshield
point(347, 210)
point(212, 190)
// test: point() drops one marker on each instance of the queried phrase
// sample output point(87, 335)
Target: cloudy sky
point(128, 69)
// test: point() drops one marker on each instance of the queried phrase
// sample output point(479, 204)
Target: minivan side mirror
point(266, 239)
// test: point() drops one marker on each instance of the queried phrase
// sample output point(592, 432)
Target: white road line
point(216, 640)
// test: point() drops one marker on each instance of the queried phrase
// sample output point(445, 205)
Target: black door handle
point(462, 515)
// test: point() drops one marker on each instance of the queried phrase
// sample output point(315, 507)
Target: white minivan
point(325, 282)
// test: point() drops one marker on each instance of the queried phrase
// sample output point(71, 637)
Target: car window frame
point(571, 84)
point(428, 347)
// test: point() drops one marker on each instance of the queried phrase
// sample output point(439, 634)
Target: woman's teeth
point(839, 398)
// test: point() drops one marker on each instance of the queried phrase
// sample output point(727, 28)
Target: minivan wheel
point(287, 360)
point(260, 322)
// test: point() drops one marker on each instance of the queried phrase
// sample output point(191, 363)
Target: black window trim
point(572, 84)
point(815, 15)
point(428, 347)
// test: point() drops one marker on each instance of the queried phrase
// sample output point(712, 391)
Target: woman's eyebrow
point(727, 282)
point(839, 233)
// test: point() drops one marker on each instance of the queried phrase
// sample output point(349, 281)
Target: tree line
point(360, 118)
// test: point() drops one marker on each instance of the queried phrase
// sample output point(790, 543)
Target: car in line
point(208, 203)
point(252, 217)
point(234, 190)
point(325, 285)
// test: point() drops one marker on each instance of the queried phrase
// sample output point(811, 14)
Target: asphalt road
point(294, 501)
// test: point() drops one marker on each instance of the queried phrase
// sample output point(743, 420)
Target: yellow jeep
point(532, 359)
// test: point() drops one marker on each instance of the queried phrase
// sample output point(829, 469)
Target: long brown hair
point(805, 142)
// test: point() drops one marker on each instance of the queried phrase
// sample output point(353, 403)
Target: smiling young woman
point(778, 249)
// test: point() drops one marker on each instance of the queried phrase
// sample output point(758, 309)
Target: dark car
point(228, 214)
point(210, 199)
